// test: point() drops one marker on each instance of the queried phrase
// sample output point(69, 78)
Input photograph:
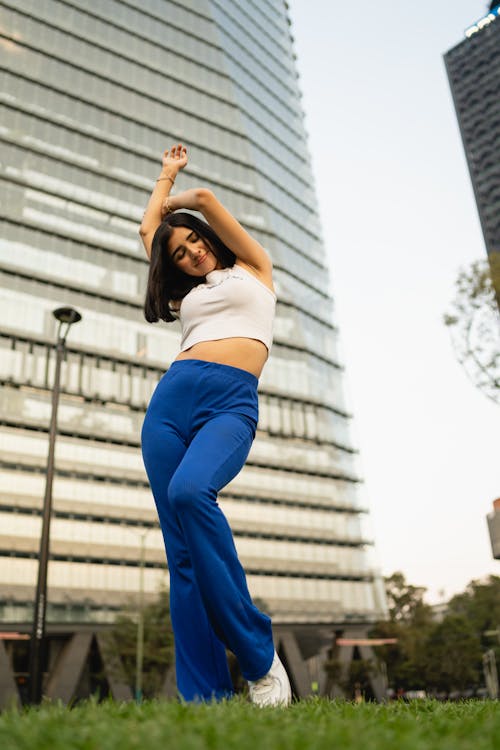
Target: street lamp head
point(67, 315)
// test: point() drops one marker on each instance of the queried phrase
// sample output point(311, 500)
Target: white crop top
point(231, 303)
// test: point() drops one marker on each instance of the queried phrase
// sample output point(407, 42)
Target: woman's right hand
point(174, 159)
point(192, 198)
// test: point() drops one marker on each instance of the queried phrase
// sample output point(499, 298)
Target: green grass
point(316, 724)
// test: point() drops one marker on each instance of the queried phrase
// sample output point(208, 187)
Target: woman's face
point(191, 253)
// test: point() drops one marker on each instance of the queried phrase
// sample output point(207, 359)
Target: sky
point(399, 220)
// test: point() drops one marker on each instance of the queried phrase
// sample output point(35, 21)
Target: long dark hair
point(166, 283)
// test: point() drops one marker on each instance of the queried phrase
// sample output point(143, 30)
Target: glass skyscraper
point(91, 94)
point(473, 68)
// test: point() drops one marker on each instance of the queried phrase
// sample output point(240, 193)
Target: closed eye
point(180, 251)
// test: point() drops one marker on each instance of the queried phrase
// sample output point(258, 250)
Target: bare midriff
point(247, 354)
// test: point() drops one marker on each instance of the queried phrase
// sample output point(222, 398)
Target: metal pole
point(38, 644)
point(490, 674)
point(38, 647)
point(140, 626)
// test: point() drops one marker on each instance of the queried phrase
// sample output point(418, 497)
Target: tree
point(354, 678)
point(442, 656)
point(158, 643)
point(410, 623)
point(480, 605)
point(405, 602)
point(474, 324)
point(452, 655)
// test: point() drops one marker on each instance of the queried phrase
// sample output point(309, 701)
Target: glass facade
point(90, 96)
point(473, 68)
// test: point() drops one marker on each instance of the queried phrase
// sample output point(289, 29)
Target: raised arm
point(173, 161)
point(247, 250)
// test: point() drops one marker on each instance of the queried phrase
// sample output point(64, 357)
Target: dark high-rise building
point(473, 68)
point(91, 94)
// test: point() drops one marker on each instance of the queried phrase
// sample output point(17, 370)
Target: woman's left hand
point(174, 159)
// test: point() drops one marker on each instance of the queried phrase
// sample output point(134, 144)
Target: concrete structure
point(494, 529)
point(90, 97)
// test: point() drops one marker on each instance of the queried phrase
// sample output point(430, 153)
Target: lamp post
point(66, 317)
point(139, 653)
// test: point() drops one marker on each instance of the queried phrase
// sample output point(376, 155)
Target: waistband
point(212, 369)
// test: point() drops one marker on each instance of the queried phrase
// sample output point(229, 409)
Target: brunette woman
point(199, 427)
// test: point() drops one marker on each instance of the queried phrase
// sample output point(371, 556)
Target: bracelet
point(167, 177)
point(168, 207)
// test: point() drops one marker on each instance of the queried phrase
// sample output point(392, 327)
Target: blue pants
point(196, 436)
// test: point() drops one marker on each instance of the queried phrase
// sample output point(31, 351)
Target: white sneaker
point(274, 688)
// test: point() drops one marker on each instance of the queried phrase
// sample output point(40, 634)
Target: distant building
point(439, 611)
point(494, 528)
point(473, 68)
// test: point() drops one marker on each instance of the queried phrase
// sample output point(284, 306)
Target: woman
point(199, 427)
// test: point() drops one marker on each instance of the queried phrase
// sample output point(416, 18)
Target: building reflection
point(82, 129)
